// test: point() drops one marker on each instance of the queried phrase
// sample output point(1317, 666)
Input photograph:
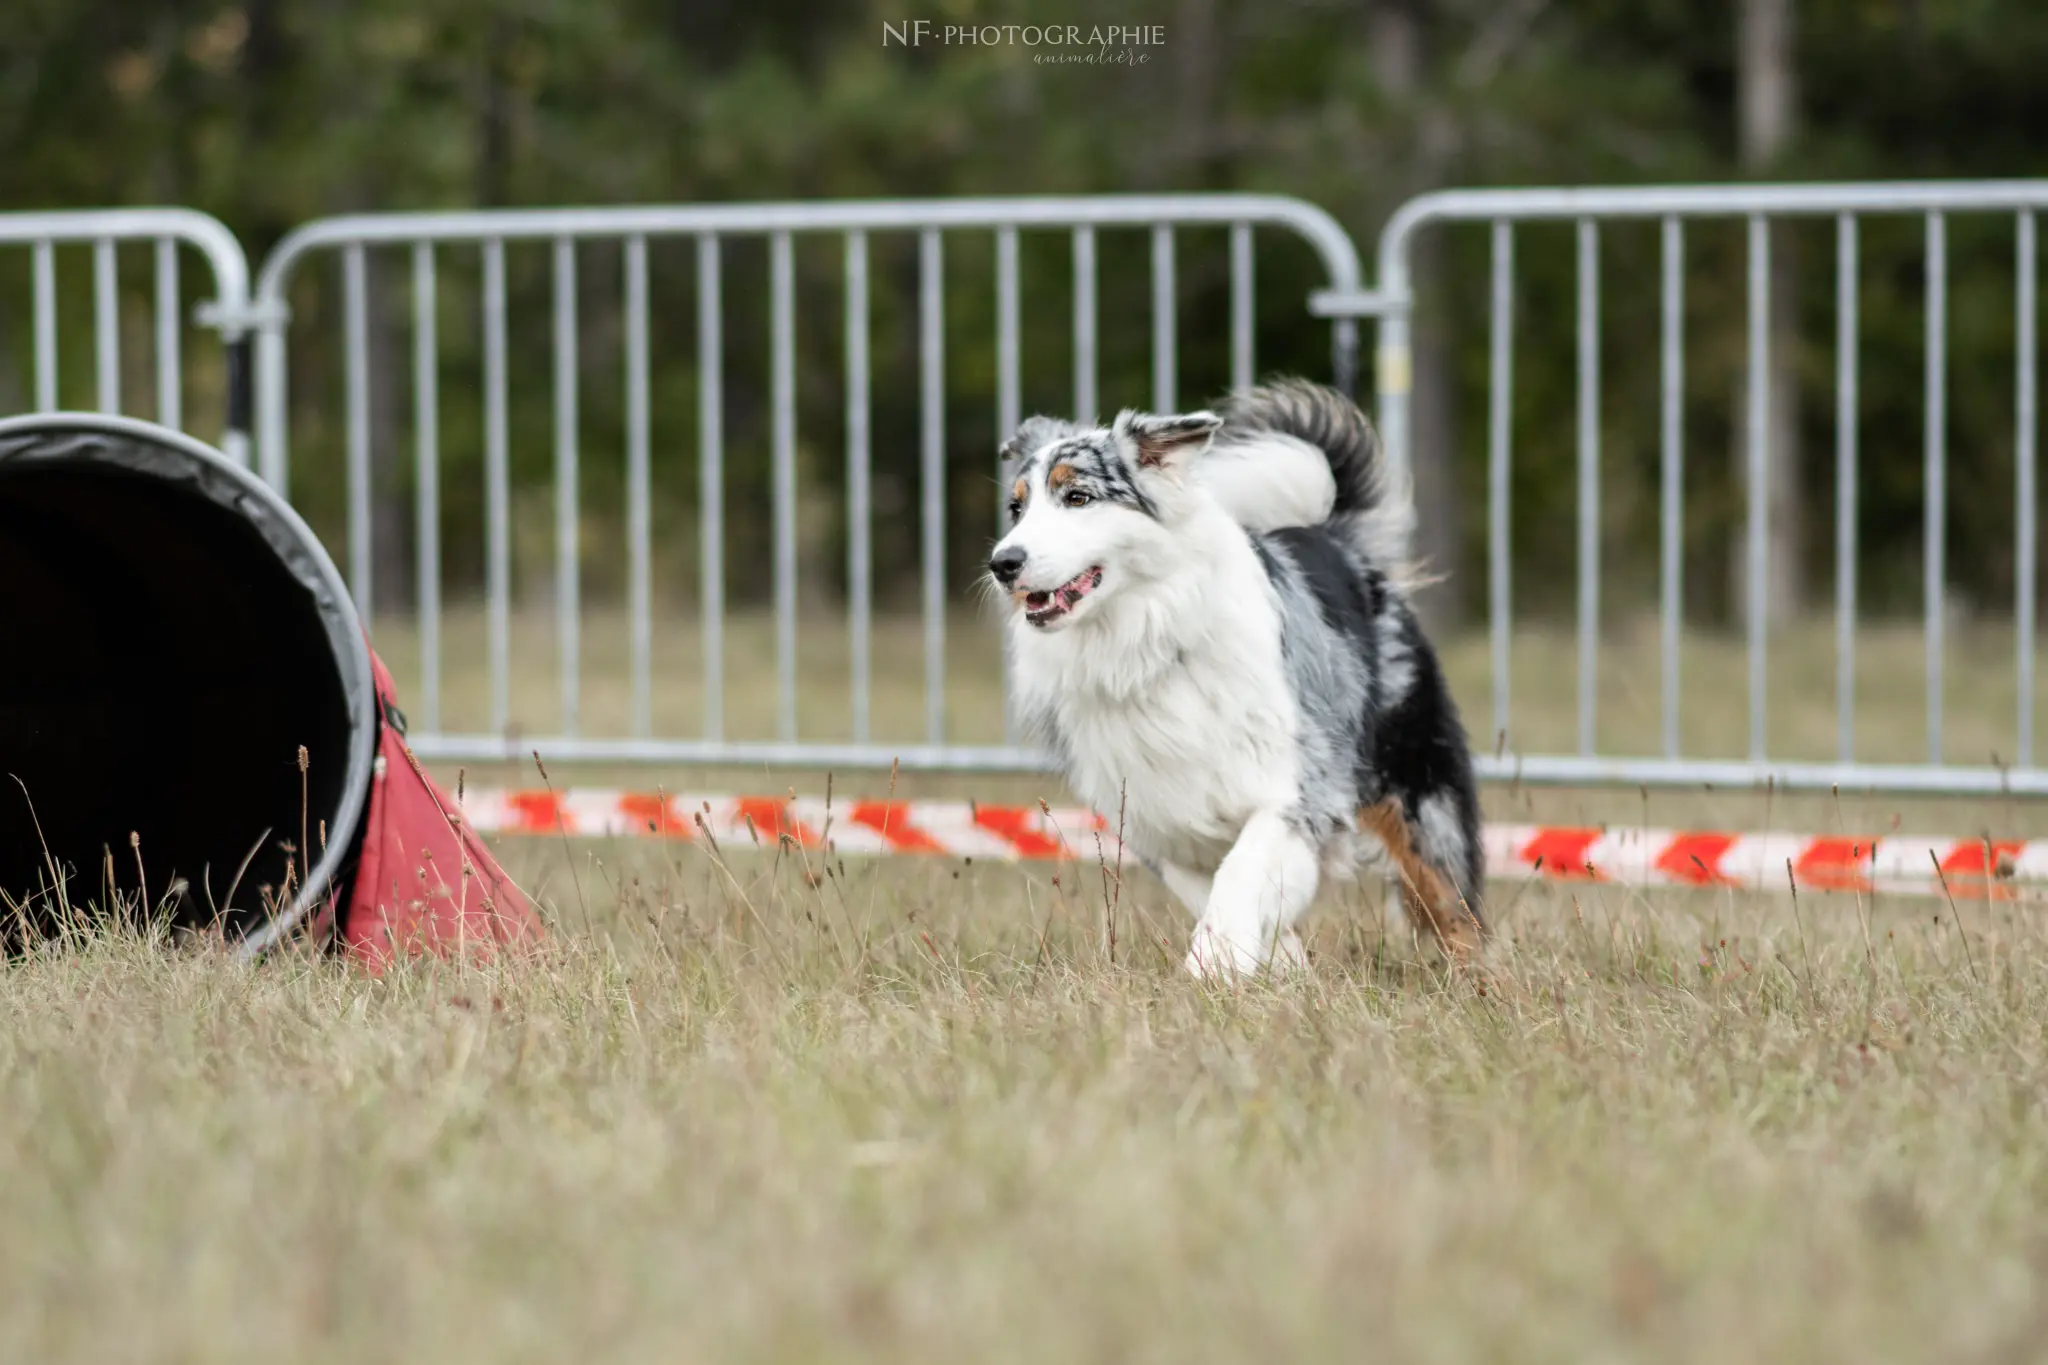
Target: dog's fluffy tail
point(1294, 453)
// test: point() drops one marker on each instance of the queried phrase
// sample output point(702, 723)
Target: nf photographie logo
point(1050, 44)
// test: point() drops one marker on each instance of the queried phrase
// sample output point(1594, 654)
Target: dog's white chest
point(1186, 760)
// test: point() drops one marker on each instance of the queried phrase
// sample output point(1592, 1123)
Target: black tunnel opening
point(170, 644)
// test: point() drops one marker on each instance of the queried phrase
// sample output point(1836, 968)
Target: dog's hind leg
point(1429, 883)
point(1267, 879)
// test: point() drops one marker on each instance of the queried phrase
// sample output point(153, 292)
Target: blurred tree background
point(267, 113)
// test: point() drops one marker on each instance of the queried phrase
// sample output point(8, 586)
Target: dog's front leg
point(1265, 882)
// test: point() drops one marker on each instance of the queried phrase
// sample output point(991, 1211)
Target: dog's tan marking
point(1059, 476)
point(1429, 894)
point(1020, 490)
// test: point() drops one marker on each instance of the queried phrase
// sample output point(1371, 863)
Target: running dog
point(1209, 626)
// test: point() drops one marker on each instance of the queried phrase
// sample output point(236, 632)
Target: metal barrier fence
point(710, 225)
point(235, 314)
point(1393, 305)
point(166, 229)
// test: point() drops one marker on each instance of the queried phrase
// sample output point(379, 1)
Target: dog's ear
point(1034, 434)
point(1163, 442)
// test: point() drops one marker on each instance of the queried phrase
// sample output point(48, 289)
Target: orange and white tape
point(956, 828)
point(1969, 868)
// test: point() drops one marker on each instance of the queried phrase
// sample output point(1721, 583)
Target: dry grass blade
point(706, 1131)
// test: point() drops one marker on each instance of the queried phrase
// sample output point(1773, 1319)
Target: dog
point(1209, 626)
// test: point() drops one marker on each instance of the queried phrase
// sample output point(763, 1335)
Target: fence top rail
point(1694, 201)
point(202, 231)
point(1331, 242)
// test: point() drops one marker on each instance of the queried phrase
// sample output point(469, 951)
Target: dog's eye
point(1078, 499)
point(1016, 509)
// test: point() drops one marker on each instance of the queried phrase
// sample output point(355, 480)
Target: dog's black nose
point(1007, 564)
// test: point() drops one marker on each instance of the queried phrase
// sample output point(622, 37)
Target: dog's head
point(1092, 509)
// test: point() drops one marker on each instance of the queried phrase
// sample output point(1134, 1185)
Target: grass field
point(750, 1108)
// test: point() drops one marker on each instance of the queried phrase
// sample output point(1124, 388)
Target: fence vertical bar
point(44, 271)
point(106, 297)
point(1671, 499)
point(1164, 329)
point(1936, 526)
point(711, 477)
point(106, 300)
point(1589, 480)
point(1243, 306)
point(170, 404)
point(1500, 431)
point(356, 371)
point(2025, 418)
point(782, 398)
point(639, 494)
point(568, 549)
point(497, 491)
point(931, 363)
point(427, 478)
point(1757, 466)
point(1009, 404)
point(1009, 382)
point(859, 524)
point(1084, 325)
point(1845, 486)
point(273, 400)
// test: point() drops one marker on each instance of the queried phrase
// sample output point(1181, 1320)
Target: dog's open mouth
point(1044, 608)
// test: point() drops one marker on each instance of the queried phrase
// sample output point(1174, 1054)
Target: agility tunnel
point(191, 715)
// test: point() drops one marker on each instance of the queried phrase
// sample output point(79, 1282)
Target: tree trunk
point(1767, 94)
point(393, 541)
point(494, 119)
point(1398, 41)
point(1198, 76)
point(1433, 438)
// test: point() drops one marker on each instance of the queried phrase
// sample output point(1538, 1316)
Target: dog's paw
point(1217, 954)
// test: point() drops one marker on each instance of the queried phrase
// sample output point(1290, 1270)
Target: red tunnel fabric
point(425, 881)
